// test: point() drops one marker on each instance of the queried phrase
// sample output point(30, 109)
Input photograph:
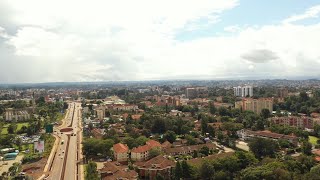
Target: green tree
point(190, 140)
point(178, 171)
point(91, 171)
point(12, 128)
point(131, 142)
point(204, 125)
point(212, 108)
point(204, 150)
point(265, 113)
point(207, 170)
point(170, 136)
point(211, 131)
point(262, 147)
point(141, 140)
point(156, 151)
point(93, 147)
point(306, 148)
point(159, 126)
point(186, 170)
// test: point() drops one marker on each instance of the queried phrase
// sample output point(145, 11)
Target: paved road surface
point(65, 160)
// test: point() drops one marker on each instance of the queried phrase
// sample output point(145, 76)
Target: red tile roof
point(158, 162)
point(141, 149)
point(149, 145)
point(120, 148)
point(110, 171)
point(136, 116)
point(153, 143)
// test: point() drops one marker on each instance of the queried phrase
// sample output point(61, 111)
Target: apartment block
point(255, 105)
point(243, 91)
point(294, 121)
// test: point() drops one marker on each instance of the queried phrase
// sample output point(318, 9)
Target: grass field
point(313, 140)
point(5, 127)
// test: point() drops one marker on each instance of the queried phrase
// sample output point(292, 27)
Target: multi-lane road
point(67, 154)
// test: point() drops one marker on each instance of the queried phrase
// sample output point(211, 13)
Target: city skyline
point(42, 41)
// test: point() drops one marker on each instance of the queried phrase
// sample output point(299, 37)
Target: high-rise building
point(195, 92)
point(243, 91)
point(255, 105)
point(282, 92)
point(101, 113)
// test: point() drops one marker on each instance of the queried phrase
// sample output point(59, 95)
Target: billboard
point(39, 146)
point(49, 128)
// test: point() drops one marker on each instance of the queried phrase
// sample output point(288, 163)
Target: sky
point(104, 40)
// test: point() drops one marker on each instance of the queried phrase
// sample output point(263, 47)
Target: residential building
point(141, 153)
point(282, 92)
point(194, 92)
point(114, 171)
point(16, 114)
point(255, 105)
point(191, 93)
point(124, 107)
point(295, 121)
point(120, 152)
point(247, 134)
point(101, 112)
point(243, 91)
point(157, 165)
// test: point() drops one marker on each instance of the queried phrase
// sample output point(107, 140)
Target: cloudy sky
point(82, 40)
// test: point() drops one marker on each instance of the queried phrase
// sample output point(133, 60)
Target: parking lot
point(5, 165)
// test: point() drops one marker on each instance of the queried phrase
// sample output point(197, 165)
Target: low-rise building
point(157, 165)
point(294, 121)
point(113, 171)
point(141, 153)
point(120, 152)
point(16, 114)
point(248, 134)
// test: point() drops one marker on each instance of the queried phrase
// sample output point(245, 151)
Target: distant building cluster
point(194, 92)
point(243, 91)
point(255, 105)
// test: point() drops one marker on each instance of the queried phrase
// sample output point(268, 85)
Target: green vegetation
point(97, 147)
point(48, 144)
point(313, 140)
point(91, 172)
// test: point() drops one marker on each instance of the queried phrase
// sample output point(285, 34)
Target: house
point(183, 150)
point(166, 145)
point(136, 116)
point(157, 165)
point(120, 152)
point(142, 152)
point(113, 171)
point(97, 133)
point(247, 134)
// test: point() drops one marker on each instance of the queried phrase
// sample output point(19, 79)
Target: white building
point(243, 91)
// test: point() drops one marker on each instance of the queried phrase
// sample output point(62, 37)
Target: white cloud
point(312, 12)
point(135, 40)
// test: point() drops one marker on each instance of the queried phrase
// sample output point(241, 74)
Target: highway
point(65, 166)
